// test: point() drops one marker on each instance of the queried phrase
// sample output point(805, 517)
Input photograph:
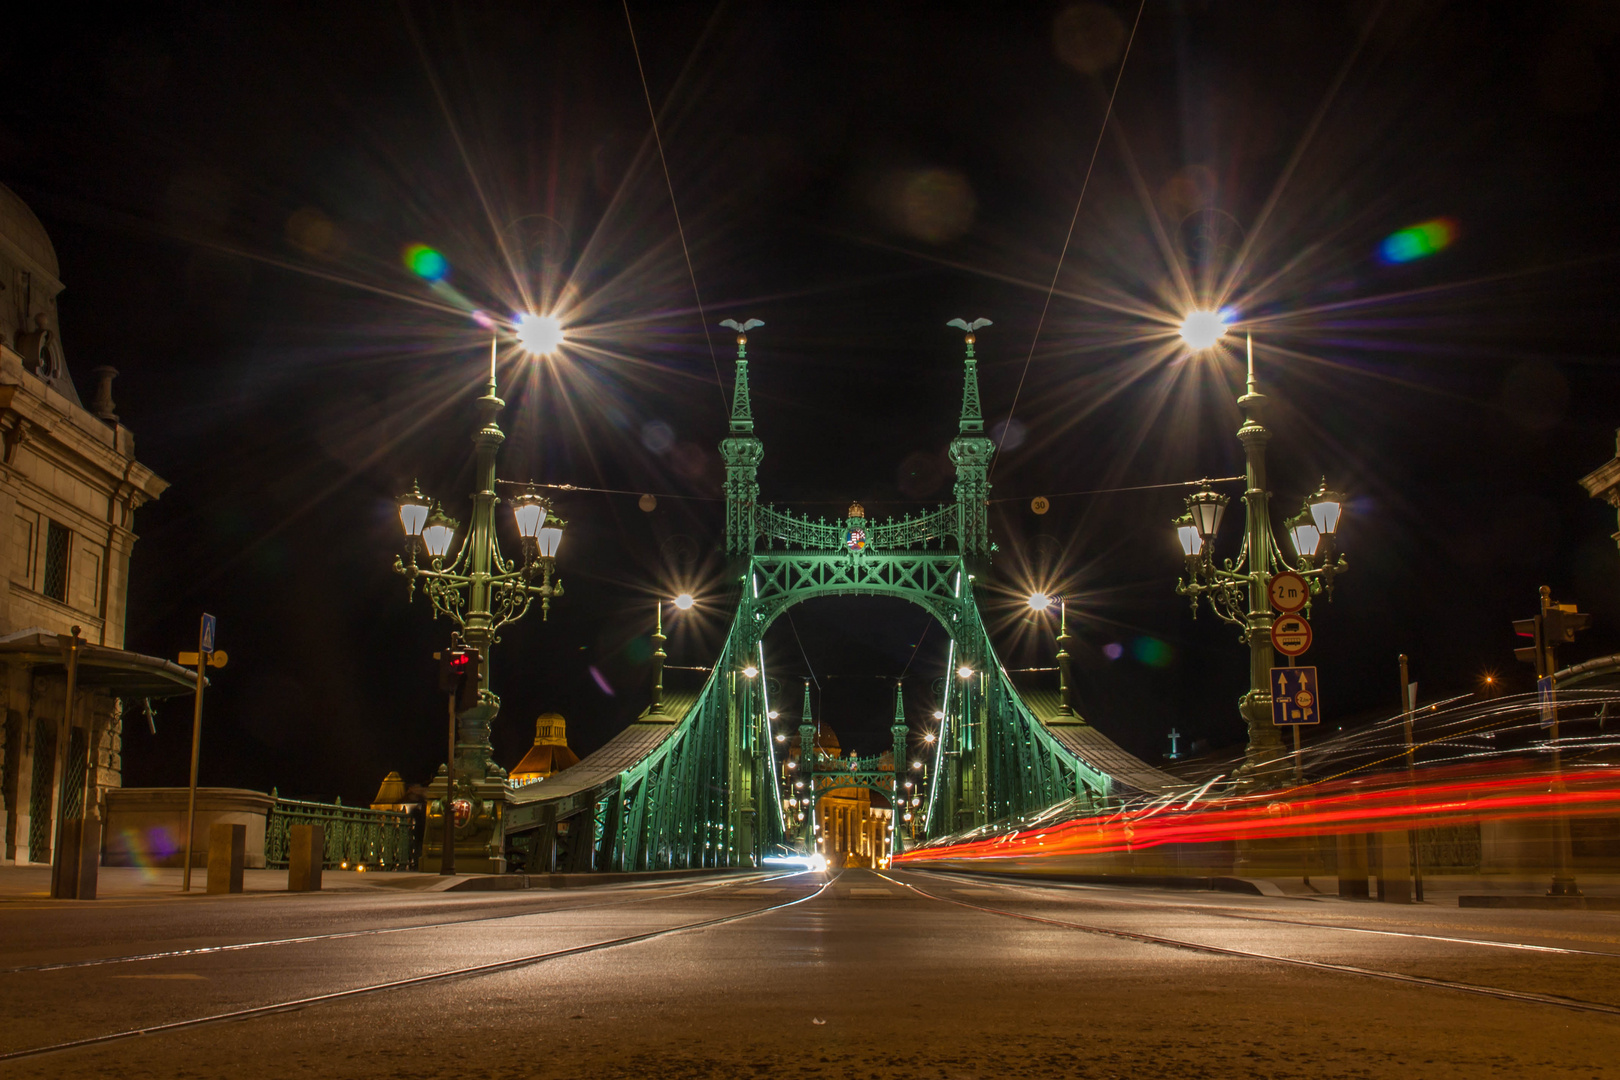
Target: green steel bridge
point(694, 781)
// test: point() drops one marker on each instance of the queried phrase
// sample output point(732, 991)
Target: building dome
point(827, 740)
point(550, 752)
point(21, 231)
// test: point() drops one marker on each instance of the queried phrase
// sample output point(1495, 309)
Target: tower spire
point(741, 451)
point(899, 703)
point(970, 453)
point(804, 713)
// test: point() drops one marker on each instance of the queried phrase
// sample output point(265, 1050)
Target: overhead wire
point(680, 229)
point(1073, 221)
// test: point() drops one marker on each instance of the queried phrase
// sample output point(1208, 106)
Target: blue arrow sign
point(205, 635)
point(1294, 696)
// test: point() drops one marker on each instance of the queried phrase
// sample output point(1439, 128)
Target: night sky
point(230, 189)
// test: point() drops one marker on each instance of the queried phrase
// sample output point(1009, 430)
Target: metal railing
point(355, 835)
point(930, 529)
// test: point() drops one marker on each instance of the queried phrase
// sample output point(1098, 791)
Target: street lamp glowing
point(1202, 329)
point(685, 601)
point(529, 509)
point(773, 714)
point(939, 714)
point(413, 510)
point(438, 532)
point(1191, 542)
point(750, 671)
point(539, 335)
point(549, 537)
point(1039, 601)
point(964, 672)
point(1325, 508)
point(929, 738)
point(1306, 536)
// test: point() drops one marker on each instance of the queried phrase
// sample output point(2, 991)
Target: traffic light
point(1561, 622)
point(453, 665)
point(1557, 624)
point(471, 676)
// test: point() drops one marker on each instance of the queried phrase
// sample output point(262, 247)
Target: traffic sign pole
point(205, 645)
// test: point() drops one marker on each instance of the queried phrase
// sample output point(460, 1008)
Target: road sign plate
point(1289, 592)
point(1545, 696)
point(205, 638)
point(1295, 698)
point(1290, 635)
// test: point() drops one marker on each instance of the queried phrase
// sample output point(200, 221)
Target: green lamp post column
point(1240, 591)
point(480, 592)
point(1265, 739)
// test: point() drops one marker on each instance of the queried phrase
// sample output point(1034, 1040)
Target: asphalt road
point(856, 975)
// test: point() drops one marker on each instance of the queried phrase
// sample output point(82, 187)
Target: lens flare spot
point(1113, 650)
point(601, 680)
point(1152, 652)
point(1418, 241)
point(426, 263)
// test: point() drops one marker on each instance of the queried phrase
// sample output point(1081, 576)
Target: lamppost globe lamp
point(685, 601)
point(1207, 508)
point(1306, 536)
point(1186, 532)
point(1325, 509)
point(1039, 601)
point(548, 538)
point(539, 335)
point(1202, 329)
point(964, 672)
point(530, 509)
point(413, 511)
point(437, 533)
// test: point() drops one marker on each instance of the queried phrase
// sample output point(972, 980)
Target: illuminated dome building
point(850, 830)
point(549, 754)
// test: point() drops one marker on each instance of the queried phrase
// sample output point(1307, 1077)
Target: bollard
point(306, 851)
point(89, 837)
point(1394, 867)
point(227, 855)
point(1352, 855)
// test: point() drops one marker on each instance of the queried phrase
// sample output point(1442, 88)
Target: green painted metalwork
point(708, 793)
point(356, 835)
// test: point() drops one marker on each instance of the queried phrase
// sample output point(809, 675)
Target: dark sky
point(230, 188)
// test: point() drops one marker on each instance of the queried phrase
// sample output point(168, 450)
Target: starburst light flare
point(1202, 329)
point(539, 335)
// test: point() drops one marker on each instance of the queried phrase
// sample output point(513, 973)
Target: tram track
point(1214, 912)
point(214, 950)
point(1430, 982)
point(468, 972)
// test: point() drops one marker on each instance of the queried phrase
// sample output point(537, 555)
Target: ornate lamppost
point(481, 591)
point(1239, 590)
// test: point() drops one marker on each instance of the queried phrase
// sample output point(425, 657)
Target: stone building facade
point(69, 488)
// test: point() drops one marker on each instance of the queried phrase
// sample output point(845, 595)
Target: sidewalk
point(130, 882)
